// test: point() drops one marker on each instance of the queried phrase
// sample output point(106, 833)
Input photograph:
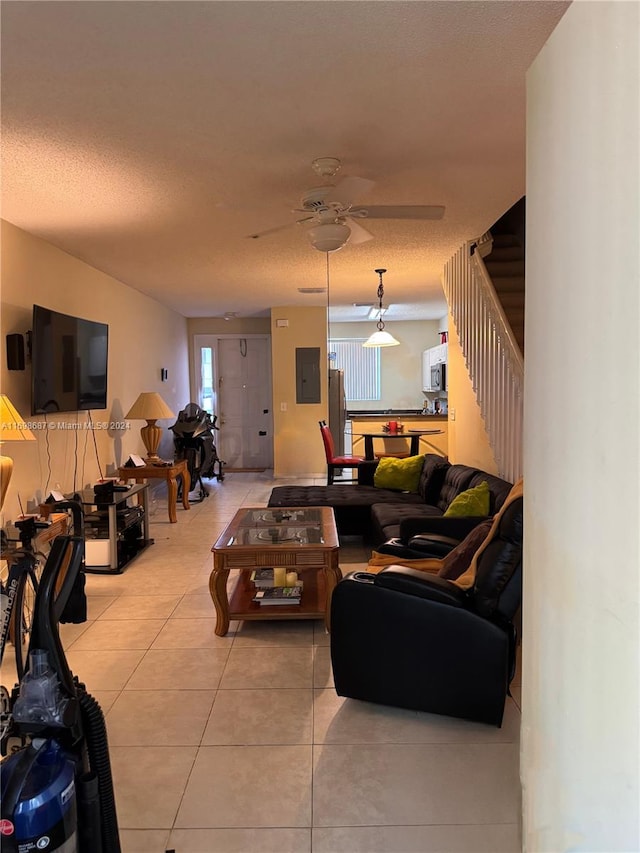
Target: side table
point(170, 473)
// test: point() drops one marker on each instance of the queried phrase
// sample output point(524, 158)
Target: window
point(207, 397)
point(361, 367)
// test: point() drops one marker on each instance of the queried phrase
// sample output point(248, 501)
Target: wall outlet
point(452, 414)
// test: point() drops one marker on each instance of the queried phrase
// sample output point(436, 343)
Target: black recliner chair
point(415, 640)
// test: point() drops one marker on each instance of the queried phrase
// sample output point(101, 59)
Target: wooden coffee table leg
point(218, 590)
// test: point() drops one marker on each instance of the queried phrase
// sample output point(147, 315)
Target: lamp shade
point(12, 428)
point(381, 339)
point(12, 425)
point(149, 407)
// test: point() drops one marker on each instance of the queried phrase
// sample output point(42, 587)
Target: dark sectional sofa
point(378, 514)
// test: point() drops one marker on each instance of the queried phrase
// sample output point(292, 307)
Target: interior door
point(243, 380)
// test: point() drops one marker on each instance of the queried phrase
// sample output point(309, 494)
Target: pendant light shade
point(381, 338)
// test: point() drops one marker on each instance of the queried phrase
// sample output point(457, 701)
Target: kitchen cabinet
point(439, 354)
point(431, 357)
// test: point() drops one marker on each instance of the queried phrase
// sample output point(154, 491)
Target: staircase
point(505, 265)
point(484, 287)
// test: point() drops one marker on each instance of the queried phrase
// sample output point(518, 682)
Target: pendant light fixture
point(381, 338)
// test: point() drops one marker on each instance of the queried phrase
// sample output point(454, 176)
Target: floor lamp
point(150, 407)
point(12, 428)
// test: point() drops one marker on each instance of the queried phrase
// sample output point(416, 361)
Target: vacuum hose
point(95, 732)
point(89, 835)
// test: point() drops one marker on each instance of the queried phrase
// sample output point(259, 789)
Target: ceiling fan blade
point(400, 211)
point(349, 189)
point(258, 234)
point(358, 233)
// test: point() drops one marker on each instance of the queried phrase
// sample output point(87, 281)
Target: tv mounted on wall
point(69, 363)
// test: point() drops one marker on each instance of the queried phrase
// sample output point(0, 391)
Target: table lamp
point(12, 428)
point(150, 407)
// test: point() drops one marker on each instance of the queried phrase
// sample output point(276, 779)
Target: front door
point(234, 375)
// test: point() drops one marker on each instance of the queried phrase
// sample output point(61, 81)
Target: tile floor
point(239, 743)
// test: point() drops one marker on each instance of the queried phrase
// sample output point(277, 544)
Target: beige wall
point(468, 439)
point(297, 445)
point(580, 742)
point(401, 366)
point(144, 336)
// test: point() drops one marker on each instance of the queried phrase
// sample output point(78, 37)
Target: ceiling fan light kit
point(381, 338)
point(329, 237)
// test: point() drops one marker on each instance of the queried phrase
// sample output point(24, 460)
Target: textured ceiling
point(151, 138)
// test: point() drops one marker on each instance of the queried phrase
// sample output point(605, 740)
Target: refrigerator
point(337, 409)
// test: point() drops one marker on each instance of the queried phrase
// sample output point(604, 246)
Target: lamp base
point(151, 435)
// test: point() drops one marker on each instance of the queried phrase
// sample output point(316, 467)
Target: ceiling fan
point(333, 212)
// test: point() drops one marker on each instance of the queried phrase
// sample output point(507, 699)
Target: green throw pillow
point(472, 502)
point(401, 474)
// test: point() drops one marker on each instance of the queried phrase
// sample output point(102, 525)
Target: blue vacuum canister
point(38, 800)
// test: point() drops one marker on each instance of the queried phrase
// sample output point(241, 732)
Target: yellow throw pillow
point(472, 502)
point(401, 474)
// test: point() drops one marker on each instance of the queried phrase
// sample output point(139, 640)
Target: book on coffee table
point(279, 595)
point(262, 578)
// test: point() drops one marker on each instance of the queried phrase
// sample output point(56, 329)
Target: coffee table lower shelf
point(312, 604)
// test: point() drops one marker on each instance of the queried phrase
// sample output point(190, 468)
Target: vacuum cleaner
point(57, 789)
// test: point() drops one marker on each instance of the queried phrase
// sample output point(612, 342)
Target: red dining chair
point(334, 462)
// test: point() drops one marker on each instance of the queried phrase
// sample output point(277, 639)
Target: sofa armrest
point(422, 585)
point(432, 544)
point(456, 528)
point(424, 547)
point(366, 470)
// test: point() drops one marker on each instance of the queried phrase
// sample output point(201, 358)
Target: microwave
point(438, 377)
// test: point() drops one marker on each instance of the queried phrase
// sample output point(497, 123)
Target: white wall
point(581, 675)
point(144, 336)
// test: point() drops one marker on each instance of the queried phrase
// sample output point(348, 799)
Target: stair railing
point(491, 353)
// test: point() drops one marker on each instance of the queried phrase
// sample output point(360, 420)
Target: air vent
point(312, 290)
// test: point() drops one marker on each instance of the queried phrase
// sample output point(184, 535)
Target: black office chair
point(415, 640)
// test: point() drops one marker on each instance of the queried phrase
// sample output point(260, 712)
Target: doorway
point(233, 381)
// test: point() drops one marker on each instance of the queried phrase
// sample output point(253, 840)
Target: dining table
point(413, 435)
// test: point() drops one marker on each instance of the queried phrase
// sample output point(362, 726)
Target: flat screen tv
point(69, 363)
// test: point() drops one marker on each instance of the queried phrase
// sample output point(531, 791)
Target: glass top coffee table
point(302, 539)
